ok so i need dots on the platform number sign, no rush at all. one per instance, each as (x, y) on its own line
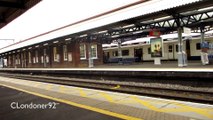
(156, 47)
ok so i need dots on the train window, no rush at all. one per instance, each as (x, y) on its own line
(125, 52)
(82, 51)
(198, 46)
(29, 57)
(65, 53)
(170, 48)
(94, 51)
(149, 50)
(115, 53)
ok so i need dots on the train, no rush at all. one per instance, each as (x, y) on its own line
(139, 50)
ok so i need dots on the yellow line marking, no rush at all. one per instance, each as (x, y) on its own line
(196, 110)
(61, 89)
(82, 93)
(146, 104)
(108, 97)
(183, 108)
(49, 86)
(117, 115)
(116, 87)
(36, 84)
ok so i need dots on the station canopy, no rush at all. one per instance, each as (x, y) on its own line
(11, 9)
(131, 21)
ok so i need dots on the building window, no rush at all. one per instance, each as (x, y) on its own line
(197, 46)
(65, 53)
(125, 52)
(114, 53)
(42, 59)
(94, 51)
(29, 57)
(36, 56)
(55, 54)
(18, 59)
(9, 60)
(149, 50)
(82, 51)
(69, 56)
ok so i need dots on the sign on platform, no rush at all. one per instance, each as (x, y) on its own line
(156, 47)
(187, 31)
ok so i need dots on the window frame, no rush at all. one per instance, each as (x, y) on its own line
(84, 50)
(198, 46)
(29, 57)
(96, 51)
(36, 56)
(65, 53)
(115, 53)
(55, 54)
(125, 52)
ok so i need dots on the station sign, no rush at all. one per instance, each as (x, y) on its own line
(156, 47)
(210, 45)
(204, 45)
(154, 33)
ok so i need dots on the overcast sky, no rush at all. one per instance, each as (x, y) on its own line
(51, 14)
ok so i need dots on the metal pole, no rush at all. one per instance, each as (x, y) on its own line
(91, 64)
(203, 53)
(180, 48)
(119, 49)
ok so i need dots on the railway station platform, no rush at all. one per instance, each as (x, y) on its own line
(94, 104)
(164, 64)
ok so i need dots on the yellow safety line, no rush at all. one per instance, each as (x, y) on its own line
(196, 110)
(117, 115)
(36, 84)
(61, 89)
(185, 108)
(146, 104)
(108, 97)
(49, 86)
(82, 93)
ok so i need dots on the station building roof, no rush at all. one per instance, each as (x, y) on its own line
(142, 10)
(11, 9)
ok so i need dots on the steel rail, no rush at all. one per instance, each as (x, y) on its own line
(126, 87)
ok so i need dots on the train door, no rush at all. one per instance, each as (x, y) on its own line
(45, 58)
(171, 54)
(138, 53)
(106, 57)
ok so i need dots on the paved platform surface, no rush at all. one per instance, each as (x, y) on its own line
(15, 105)
(193, 66)
(164, 64)
(121, 106)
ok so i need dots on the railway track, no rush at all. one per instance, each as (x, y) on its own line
(180, 93)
